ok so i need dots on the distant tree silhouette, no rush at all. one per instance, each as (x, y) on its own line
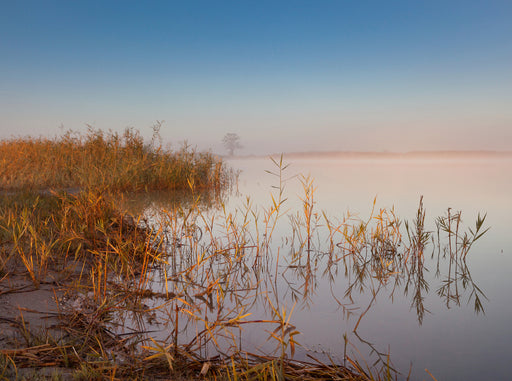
(232, 142)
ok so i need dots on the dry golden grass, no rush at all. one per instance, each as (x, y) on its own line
(99, 160)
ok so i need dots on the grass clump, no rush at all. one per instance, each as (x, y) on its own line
(99, 160)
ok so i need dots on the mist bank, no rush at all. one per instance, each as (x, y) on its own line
(481, 154)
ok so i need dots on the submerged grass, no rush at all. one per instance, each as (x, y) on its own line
(172, 295)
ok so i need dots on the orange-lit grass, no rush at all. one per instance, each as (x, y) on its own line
(99, 160)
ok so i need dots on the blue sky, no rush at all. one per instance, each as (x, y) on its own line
(284, 75)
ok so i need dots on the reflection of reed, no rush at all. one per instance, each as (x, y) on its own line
(233, 271)
(414, 262)
(458, 271)
(374, 256)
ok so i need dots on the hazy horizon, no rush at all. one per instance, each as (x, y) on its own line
(470, 154)
(285, 76)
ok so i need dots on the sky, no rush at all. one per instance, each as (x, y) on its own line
(283, 75)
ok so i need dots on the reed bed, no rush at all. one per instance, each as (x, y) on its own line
(192, 291)
(105, 160)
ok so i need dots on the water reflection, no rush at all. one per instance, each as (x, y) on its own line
(374, 256)
(236, 279)
(149, 203)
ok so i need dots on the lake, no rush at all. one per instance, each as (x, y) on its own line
(452, 340)
(342, 258)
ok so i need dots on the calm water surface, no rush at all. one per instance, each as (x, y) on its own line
(451, 339)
